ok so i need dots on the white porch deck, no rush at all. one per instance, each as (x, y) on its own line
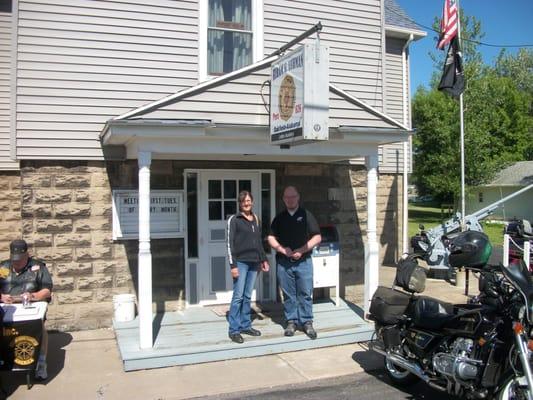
(199, 335)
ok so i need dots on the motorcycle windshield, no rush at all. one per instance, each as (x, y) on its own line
(518, 274)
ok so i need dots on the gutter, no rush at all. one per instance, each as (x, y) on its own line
(405, 204)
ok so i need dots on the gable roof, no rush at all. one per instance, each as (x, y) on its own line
(518, 174)
(396, 19)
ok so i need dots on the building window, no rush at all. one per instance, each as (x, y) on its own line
(6, 6)
(480, 197)
(230, 35)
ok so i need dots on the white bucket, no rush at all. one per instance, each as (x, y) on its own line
(124, 307)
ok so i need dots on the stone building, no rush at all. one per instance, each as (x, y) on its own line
(70, 144)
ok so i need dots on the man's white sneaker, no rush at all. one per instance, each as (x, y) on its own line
(40, 371)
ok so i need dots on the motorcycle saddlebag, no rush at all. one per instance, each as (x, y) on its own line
(410, 276)
(388, 305)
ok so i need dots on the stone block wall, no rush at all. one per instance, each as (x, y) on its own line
(66, 215)
(67, 219)
(10, 220)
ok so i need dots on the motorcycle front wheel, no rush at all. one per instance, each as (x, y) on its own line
(514, 389)
(399, 375)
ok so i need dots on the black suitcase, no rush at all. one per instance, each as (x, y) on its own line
(388, 305)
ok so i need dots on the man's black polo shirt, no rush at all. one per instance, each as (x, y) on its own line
(33, 277)
(294, 231)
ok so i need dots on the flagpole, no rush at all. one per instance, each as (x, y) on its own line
(462, 124)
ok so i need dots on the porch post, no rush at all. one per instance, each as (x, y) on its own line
(145, 255)
(371, 245)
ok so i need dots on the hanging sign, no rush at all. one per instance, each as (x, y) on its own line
(299, 96)
(166, 214)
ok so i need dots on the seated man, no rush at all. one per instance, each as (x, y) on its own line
(23, 275)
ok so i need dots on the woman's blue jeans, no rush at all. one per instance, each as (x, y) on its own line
(239, 311)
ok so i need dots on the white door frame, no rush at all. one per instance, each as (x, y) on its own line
(266, 291)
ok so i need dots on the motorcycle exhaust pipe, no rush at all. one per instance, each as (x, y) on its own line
(409, 366)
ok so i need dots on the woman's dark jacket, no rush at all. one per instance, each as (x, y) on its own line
(244, 242)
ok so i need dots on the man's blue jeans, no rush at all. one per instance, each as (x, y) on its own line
(296, 282)
(239, 311)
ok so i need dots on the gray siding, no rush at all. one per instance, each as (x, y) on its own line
(83, 62)
(5, 93)
(352, 30)
(391, 155)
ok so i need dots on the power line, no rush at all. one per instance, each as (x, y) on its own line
(463, 39)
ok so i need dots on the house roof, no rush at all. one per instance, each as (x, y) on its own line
(518, 174)
(397, 19)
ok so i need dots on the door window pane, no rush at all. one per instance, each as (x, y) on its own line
(215, 189)
(245, 185)
(230, 189)
(215, 210)
(230, 208)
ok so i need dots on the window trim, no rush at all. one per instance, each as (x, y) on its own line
(257, 36)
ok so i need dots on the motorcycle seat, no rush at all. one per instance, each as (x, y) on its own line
(430, 313)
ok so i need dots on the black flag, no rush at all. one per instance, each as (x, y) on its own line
(453, 78)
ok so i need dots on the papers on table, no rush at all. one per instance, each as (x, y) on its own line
(16, 312)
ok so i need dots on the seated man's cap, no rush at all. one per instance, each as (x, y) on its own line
(18, 249)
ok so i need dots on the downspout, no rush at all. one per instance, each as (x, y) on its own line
(406, 122)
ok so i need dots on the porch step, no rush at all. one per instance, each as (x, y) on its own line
(199, 335)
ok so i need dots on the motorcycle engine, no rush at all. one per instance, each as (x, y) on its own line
(456, 363)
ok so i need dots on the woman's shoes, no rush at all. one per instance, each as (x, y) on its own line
(236, 337)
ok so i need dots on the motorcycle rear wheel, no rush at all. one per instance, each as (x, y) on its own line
(514, 389)
(399, 375)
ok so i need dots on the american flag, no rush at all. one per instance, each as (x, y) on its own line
(448, 24)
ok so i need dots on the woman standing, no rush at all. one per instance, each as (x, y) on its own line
(246, 256)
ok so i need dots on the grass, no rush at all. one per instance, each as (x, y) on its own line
(430, 215)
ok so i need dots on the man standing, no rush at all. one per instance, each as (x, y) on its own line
(294, 233)
(24, 276)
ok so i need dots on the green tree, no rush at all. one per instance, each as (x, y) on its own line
(497, 126)
(519, 68)
(497, 122)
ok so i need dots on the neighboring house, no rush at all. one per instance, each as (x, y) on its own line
(73, 154)
(508, 181)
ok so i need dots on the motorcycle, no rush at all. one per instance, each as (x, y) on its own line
(479, 350)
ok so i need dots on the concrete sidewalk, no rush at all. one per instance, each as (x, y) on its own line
(87, 365)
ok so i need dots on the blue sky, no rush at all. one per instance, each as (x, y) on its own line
(503, 22)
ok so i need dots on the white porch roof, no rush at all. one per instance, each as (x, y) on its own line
(204, 140)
